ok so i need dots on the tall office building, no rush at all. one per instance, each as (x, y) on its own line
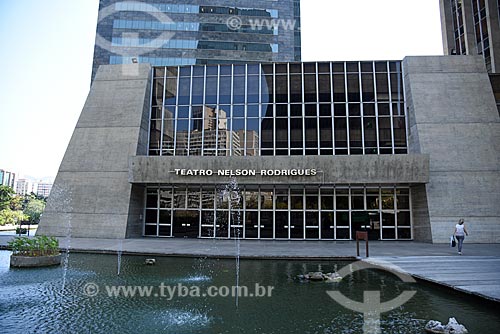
(472, 27)
(189, 32)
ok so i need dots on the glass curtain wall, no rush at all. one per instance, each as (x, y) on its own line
(278, 212)
(282, 109)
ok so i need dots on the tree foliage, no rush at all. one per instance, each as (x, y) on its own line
(15, 209)
(11, 217)
(6, 195)
(34, 210)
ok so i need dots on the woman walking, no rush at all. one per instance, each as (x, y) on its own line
(460, 233)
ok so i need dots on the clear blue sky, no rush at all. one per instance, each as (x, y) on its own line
(46, 49)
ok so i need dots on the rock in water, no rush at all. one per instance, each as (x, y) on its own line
(316, 276)
(434, 326)
(150, 262)
(453, 327)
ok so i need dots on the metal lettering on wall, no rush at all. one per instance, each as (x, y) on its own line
(245, 172)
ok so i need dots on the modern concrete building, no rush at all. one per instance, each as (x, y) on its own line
(472, 27)
(176, 32)
(402, 149)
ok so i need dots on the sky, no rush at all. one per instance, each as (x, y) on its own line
(46, 49)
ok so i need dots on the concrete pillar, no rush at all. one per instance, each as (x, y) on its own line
(92, 196)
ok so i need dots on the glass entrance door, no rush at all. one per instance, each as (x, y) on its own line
(186, 224)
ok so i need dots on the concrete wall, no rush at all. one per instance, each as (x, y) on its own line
(453, 118)
(372, 169)
(92, 196)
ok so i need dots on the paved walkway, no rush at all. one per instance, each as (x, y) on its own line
(476, 272)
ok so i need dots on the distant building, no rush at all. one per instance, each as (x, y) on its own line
(7, 178)
(44, 189)
(23, 187)
(472, 27)
(173, 32)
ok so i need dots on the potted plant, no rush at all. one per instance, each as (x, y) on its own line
(40, 251)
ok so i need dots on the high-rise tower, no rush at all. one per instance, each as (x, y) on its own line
(472, 27)
(189, 32)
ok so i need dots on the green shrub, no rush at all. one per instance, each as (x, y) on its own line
(37, 246)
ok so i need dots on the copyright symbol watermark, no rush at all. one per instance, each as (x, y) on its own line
(133, 35)
(372, 307)
(234, 23)
(90, 289)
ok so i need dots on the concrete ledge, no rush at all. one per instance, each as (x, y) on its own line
(34, 261)
(376, 169)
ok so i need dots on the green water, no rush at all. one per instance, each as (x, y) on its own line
(32, 300)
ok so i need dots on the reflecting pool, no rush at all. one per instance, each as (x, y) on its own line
(33, 301)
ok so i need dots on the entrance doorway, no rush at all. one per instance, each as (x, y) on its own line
(186, 224)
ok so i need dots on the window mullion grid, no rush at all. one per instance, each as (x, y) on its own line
(350, 213)
(199, 210)
(261, 77)
(319, 213)
(332, 107)
(348, 134)
(376, 106)
(404, 111)
(258, 213)
(394, 193)
(289, 111)
(335, 213)
(289, 211)
(202, 153)
(391, 109)
(217, 112)
(190, 112)
(274, 110)
(230, 132)
(317, 111)
(158, 211)
(380, 213)
(411, 212)
(304, 205)
(176, 113)
(151, 108)
(244, 139)
(162, 132)
(361, 108)
(303, 111)
(274, 212)
(171, 211)
(144, 206)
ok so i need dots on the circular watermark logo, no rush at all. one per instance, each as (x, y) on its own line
(90, 289)
(372, 306)
(141, 49)
(234, 23)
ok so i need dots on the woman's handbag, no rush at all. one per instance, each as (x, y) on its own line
(453, 243)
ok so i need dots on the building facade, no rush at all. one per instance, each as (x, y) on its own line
(174, 32)
(295, 151)
(43, 189)
(472, 27)
(23, 187)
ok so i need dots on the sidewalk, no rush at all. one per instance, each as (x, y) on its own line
(476, 272)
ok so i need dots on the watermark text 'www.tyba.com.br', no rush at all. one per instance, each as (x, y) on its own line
(170, 292)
